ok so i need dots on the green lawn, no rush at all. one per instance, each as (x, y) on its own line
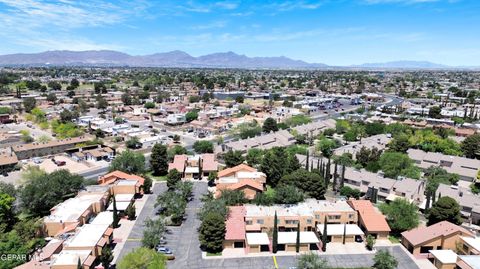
(214, 254)
(156, 178)
(394, 239)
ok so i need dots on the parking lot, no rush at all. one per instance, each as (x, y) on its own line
(49, 166)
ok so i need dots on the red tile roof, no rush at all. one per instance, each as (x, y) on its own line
(420, 235)
(209, 163)
(235, 224)
(178, 163)
(232, 170)
(111, 177)
(371, 218)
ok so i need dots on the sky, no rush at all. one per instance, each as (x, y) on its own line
(334, 32)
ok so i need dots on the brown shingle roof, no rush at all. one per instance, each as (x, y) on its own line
(424, 234)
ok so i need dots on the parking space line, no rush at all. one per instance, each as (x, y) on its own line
(275, 261)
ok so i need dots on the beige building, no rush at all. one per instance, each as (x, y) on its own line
(31, 150)
(442, 235)
(74, 212)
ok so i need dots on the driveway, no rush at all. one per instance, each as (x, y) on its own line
(148, 211)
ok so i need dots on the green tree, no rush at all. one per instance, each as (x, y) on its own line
(29, 103)
(311, 260)
(175, 150)
(395, 164)
(129, 162)
(446, 208)
(153, 232)
(384, 260)
(131, 212)
(349, 192)
(324, 235)
(106, 256)
(233, 158)
(254, 157)
(173, 178)
(400, 143)
(7, 215)
(149, 105)
(275, 234)
(191, 115)
(213, 205)
(370, 242)
(374, 128)
(274, 165)
(326, 147)
(159, 160)
(471, 146)
(311, 183)
(51, 97)
(239, 99)
(233, 197)
(212, 232)
(116, 217)
(203, 146)
(288, 194)
(270, 125)
(147, 185)
(435, 112)
(143, 258)
(173, 205)
(43, 191)
(401, 215)
(133, 143)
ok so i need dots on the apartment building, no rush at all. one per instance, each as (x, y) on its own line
(122, 183)
(31, 150)
(467, 169)
(282, 138)
(241, 177)
(194, 166)
(377, 141)
(469, 202)
(388, 189)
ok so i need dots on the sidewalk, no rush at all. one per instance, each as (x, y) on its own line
(120, 234)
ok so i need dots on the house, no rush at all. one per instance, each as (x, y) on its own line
(444, 258)
(469, 202)
(122, 183)
(44, 256)
(235, 228)
(194, 167)
(467, 169)
(241, 177)
(176, 119)
(442, 235)
(371, 221)
(68, 259)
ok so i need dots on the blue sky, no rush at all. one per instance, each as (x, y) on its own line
(335, 32)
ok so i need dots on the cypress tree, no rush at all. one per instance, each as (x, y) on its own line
(344, 232)
(79, 264)
(427, 203)
(342, 179)
(275, 234)
(439, 195)
(297, 243)
(434, 197)
(324, 235)
(318, 163)
(311, 166)
(327, 173)
(335, 175)
(116, 218)
(307, 160)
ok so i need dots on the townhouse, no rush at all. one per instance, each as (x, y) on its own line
(250, 226)
(122, 183)
(282, 138)
(467, 169)
(241, 177)
(68, 215)
(377, 141)
(27, 151)
(370, 220)
(194, 166)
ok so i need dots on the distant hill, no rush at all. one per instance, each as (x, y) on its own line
(404, 65)
(182, 59)
(167, 59)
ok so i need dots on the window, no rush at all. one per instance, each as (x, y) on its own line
(249, 222)
(351, 216)
(309, 221)
(260, 221)
(317, 216)
(291, 221)
(334, 217)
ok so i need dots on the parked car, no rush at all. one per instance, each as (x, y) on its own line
(37, 160)
(164, 250)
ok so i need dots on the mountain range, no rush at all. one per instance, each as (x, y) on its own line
(184, 60)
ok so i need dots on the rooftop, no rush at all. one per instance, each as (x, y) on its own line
(423, 234)
(445, 256)
(291, 238)
(88, 235)
(306, 208)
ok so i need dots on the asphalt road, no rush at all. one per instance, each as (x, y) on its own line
(148, 211)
